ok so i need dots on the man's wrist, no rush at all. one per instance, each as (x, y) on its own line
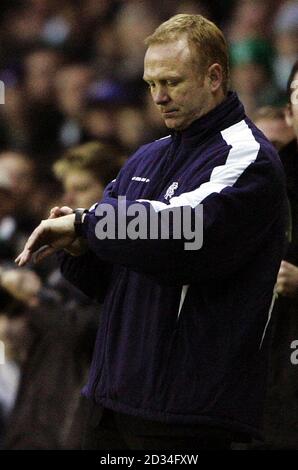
(80, 214)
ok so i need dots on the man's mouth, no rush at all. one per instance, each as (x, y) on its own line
(169, 113)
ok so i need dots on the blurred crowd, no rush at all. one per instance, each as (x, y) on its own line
(75, 108)
(73, 69)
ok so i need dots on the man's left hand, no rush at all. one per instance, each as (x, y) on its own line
(51, 235)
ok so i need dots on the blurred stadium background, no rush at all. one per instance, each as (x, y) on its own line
(72, 71)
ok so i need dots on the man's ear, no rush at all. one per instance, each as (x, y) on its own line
(215, 76)
(289, 115)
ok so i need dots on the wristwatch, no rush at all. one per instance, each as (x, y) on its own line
(78, 221)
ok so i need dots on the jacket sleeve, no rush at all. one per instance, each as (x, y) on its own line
(87, 272)
(237, 221)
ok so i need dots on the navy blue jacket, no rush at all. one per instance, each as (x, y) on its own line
(184, 333)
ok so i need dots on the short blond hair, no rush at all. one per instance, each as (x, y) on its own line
(103, 160)
(206, 39)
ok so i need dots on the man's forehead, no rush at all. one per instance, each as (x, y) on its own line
(167, 55)
(174, 47)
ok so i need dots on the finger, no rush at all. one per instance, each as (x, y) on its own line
(60, 211)
(35, 256)
(33, 243)
(24, 258)
(66, 210)
(36, 239)
(55, 212)
(53, 209)
(17, 258)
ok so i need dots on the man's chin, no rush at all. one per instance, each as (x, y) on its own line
(173, 123)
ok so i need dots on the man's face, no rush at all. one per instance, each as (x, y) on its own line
(21, 174)
(292, 109)
(72, 83)
(177, 88)
(276, 130)
(81, 189)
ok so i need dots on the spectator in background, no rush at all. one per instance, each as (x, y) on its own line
(62, 322)
(6, 196)
(27, 196)
(285, 36)
(192, 7)
(106, 53)
(72, 84)
(86, 170)
(105, 99)
(272, 122)
(131, 127)
(41, 65)
(108, 37)
(281, 412)
(17, 218)
(251, 69)
(21, 170)
(132, 30)
(58, 352)
(13, 115)
(249, 19)
(15, 338)
(115, 113)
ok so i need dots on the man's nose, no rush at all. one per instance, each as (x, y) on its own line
(160, 96)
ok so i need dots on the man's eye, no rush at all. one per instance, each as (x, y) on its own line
(151, 85)
(172, 83)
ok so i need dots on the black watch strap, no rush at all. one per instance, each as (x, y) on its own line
(78, 220)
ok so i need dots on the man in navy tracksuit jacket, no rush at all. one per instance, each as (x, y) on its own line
(183, 339)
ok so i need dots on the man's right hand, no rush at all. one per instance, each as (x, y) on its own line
(79, 246)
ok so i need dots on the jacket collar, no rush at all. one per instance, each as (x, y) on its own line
(228, 112)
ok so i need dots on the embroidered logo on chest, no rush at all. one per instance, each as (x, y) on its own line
(171, 190)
